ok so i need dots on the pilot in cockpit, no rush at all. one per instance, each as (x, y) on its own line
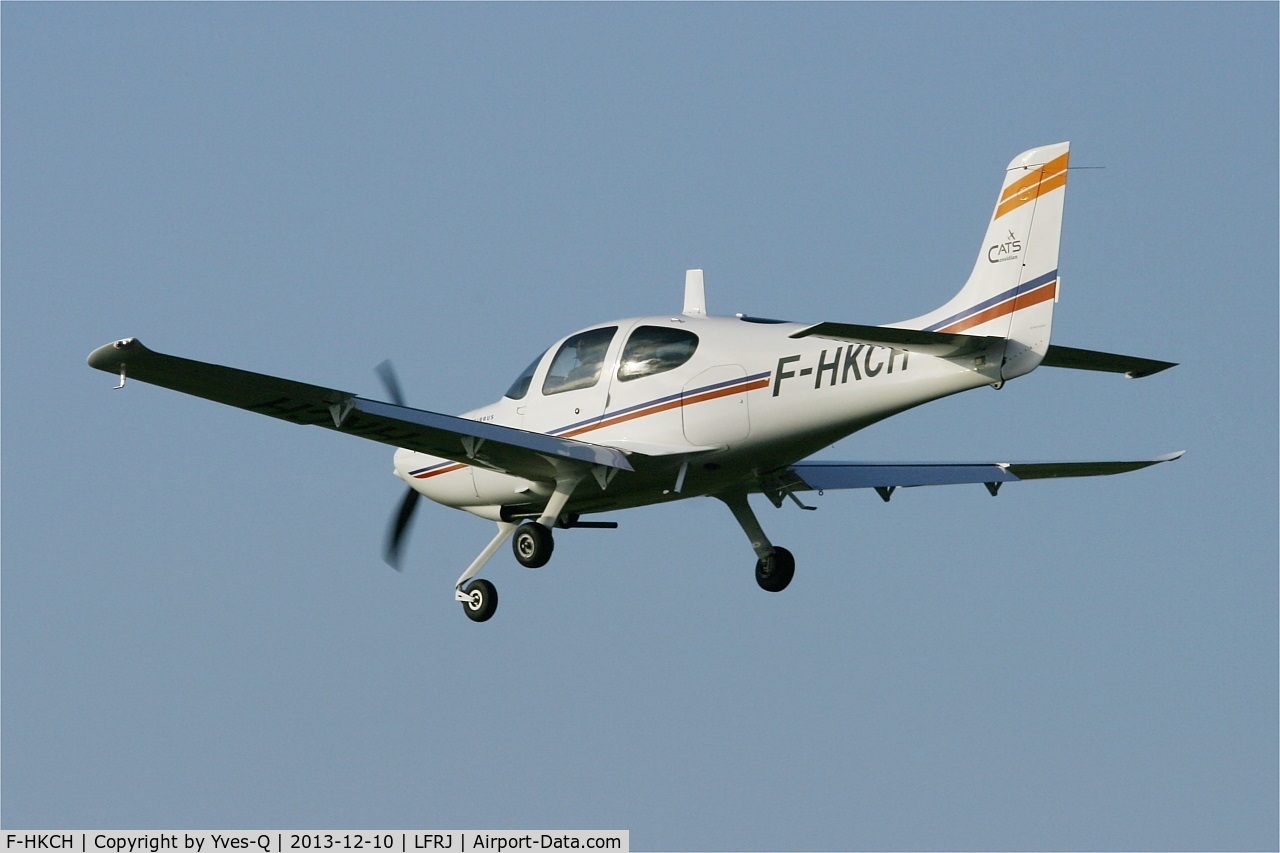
(590, 351)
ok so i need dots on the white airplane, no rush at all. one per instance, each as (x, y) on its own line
(663, 408)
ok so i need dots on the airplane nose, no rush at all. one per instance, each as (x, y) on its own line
(400, 463)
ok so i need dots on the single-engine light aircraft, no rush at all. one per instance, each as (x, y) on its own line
(651, 409)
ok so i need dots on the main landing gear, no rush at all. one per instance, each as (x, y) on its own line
(775, 571)
(532, 543)
(775, 566)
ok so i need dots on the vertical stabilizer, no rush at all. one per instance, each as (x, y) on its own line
(1014, 283)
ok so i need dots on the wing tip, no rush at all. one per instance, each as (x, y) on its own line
(1152, 370)
(108, 356)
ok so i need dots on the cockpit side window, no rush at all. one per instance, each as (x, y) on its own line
(655, 349)
(521, 386)
(578, 361)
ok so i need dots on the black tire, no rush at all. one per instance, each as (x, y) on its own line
(483, 601)
(532, 544)
(774, 572)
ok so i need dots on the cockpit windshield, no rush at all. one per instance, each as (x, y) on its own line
(521, 386)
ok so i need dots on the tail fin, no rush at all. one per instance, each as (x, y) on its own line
(1014, 283)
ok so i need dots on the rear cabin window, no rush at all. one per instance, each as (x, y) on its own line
(655, 349)
(578, 361)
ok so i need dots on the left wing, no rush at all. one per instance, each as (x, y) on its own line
(532, 455)
(884, 477)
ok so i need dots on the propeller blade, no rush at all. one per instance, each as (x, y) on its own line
(399, 525)
(387, 373)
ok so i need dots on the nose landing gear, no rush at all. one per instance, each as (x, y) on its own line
(532, 544)
(479, 600)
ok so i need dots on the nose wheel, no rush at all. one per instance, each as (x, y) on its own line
(479, 600)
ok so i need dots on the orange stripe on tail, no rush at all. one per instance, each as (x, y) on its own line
(1049, 177)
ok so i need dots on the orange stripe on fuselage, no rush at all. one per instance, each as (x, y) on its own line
(670, 404)
(1023, 300)
(457, 466)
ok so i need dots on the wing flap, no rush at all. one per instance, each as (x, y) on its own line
(530, 455)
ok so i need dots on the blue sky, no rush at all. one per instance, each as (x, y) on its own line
(197, 627)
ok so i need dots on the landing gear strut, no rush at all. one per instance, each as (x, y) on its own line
(480, 598)
(775, 566)
(532, 544)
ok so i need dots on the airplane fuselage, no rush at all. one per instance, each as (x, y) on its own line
(748, 396)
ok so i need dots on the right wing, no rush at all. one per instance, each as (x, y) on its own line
(531, 455)
(884, 477)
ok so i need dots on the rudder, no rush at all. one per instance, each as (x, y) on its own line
(1014, 283)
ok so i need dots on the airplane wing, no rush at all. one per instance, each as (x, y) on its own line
(884, 477)
(531, 455)
(950, 345)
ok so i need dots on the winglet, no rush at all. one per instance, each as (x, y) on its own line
(695, 296)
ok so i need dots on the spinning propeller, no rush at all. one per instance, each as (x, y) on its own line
(400, 522)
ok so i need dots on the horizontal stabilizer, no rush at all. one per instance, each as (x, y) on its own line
(531, 455)
(1048, 470)
(941, 344)
(891, 475)
(1084, 359)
